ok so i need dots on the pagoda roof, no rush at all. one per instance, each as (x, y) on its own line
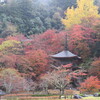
(64, 54)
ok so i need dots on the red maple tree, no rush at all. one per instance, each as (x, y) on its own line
(95, 69)
(80, 39)
(50, 41)
(90, 85)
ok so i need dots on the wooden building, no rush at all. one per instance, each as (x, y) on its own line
(65, 57)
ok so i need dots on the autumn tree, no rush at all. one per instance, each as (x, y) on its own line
(8, 60)
(13, 54)
(9, 49)
(60, 78)
(12, 81)
(34, 62)
(48, 41)
(8, 43)
(57, 79)
(11, 46)
(81, 40)
(84, 9)
(90, 85)
(44, 83)
(95, 68)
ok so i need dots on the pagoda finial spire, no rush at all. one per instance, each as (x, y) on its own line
(66, 43)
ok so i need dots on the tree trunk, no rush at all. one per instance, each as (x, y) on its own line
(61, 92)
(46, 90)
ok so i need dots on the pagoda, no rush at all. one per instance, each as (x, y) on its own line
(65, 57)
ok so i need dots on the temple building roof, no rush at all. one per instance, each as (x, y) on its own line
(64, 54)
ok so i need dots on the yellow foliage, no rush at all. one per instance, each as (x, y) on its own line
(10, 71)
(85, 8)
(8, 43)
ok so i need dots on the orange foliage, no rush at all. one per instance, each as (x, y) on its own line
(80, 39)
(8, 60)
(50, 41)
(95, 70)
(34, 62)
(91, 84)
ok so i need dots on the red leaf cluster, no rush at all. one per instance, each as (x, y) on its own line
(91, 84)
(95, 69)
(50, 41)
(80, 39)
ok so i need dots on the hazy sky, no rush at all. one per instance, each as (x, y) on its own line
(44, 1)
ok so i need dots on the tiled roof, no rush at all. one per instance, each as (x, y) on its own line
(64, 54)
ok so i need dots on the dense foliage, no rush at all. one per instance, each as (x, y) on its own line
(84, 9)
(25, 54)
(91, 85)
(31, 16)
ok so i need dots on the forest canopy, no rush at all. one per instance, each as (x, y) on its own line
(31, 31)
(32, 16)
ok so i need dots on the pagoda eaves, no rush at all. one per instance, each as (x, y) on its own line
(64, 54)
